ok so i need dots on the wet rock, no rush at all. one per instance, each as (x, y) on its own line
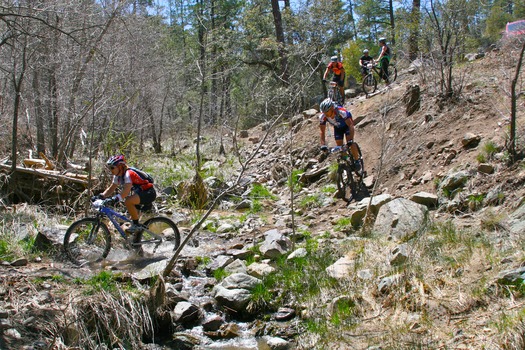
(186, 313)
(212, 323)
(219, 262)
(150, 270)
(226, 331)
(275, 343)
(234, 299)
(284, 314)
(184, 341)
(240, 280)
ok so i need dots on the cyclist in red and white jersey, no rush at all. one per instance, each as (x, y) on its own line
(135, 189)
(343, 124)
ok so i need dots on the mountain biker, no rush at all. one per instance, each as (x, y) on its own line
(338, 70)
(343, 124)
(135, 189)
(384, 59)
(364, 61)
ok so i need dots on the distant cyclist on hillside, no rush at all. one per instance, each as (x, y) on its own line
(135, 189)
(343, 124)
(364, 61)
(384, 59)
(338, 70)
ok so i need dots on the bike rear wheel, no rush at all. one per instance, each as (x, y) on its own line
(392, 73)
(346, 185)
(87, 241)
(369, 84)
(159, 226)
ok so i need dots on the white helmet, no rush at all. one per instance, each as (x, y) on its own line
(365, 51)
(326, 105)
(333, 58)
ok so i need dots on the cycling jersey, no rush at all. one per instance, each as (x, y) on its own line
(133, 178)
(336, 67)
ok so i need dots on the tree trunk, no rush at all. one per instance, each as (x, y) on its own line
(413, 46)
(392, 21)
(279, 34)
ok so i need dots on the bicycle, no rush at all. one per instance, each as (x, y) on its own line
(370, 81)
(334, 93)
(349, 178)
(88, 240)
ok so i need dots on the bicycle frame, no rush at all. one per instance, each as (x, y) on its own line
(113, 215)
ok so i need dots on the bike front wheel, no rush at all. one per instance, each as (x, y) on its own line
(346, 186)
(369, 84)
(87, 241)
(159, 227)
(335, 95)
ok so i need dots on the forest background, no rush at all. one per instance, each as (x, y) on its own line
(100, 77)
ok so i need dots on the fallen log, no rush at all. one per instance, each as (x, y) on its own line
(52, 174)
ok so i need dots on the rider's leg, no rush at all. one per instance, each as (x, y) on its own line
(131, 203)
(384, 69)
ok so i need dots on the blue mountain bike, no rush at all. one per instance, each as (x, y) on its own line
(88, 240)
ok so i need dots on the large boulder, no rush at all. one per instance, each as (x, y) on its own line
(401, 218)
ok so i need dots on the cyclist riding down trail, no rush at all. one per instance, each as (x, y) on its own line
(338, 70)
(343, 124)
(364, 61)
(135, 189)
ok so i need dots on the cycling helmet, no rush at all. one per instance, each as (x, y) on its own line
(333, 58)
(115, 160)
(382, 40)
(326, 105)
(365, 51)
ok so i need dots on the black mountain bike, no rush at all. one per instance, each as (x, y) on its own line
(349, 178)
(374, 70)
(88, 240)
(334, 93)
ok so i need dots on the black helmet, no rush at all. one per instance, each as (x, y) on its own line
(326, 105)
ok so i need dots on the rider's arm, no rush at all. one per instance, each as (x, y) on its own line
(322, 134)
(383, 51)
(110, 190)
(326, 73)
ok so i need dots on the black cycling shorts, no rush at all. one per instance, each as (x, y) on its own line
(146, 196)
